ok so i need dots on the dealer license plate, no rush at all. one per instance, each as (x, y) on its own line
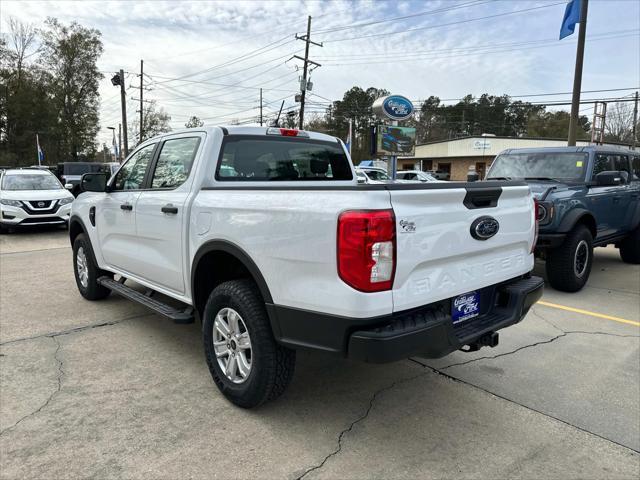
(465, 307)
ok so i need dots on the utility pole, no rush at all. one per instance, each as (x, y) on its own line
(141, 100)
(635, 122)
(303, 83)
(120, 157)
(123, 101)
(261, 107)
(577, 76)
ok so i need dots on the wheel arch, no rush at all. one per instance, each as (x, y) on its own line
(230, 262)
(76, 227)
(579, 216)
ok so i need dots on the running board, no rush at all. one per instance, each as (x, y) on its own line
(178, 316)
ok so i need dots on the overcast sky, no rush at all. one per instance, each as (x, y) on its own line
(447, 48)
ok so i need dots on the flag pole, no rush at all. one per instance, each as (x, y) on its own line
(577, 76)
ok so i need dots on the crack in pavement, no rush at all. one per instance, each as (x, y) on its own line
(543, 342)
(54, 336)
(34, 250)
(464, 382)
(75, 329)
(358, 420)
(61, 373)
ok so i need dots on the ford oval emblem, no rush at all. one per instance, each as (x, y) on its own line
(397, 107)
(483, 228)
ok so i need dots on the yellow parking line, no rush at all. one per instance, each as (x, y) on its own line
(587, 312)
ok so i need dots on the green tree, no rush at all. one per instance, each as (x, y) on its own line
(194, 122)
(25, 107)
(355, 107)
(556, 125)
(70, 55)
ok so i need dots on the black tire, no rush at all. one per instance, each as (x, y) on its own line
(630, 247)
(92, 290)
(564, 263)
(3, 230)
(271, 366)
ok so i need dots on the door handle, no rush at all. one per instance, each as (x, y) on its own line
(169, 209)
(126, 206)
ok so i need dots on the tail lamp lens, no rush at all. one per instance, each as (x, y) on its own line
(536, 218)
(367, 249)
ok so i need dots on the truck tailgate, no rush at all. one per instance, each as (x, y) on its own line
(437, 256)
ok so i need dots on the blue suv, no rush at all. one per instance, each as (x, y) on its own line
(587, 197)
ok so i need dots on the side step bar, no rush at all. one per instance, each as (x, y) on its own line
(178, 316)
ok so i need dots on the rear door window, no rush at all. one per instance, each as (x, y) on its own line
(174, 162)
(259, 158)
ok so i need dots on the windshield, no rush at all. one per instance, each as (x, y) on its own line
(30, 182)
(377, 175)
(540, 165)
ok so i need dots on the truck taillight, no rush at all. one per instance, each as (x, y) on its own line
(367, 249)
(536, 219)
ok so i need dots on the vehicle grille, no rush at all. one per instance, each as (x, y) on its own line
(40, 207)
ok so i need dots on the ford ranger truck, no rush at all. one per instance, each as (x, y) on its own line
(265, 235)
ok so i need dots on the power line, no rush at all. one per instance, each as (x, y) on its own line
(472, 53)
(515, 12)
(404, 17)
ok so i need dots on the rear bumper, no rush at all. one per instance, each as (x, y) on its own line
(426, 331)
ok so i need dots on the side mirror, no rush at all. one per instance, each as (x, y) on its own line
(609, 179)
(94, 182)
(68, 186)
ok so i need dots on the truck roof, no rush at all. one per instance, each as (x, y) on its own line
(246, 130)
(586, 149)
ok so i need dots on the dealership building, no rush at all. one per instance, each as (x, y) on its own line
(458, 155)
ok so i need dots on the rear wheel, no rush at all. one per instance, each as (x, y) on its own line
(568, 266)
(246, 363)
(630, 247)
(86, 270)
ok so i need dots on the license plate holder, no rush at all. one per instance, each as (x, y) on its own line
(465, 307)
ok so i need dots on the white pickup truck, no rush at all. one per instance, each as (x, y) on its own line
(265, 235)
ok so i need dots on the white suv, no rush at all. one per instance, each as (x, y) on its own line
(32, 196)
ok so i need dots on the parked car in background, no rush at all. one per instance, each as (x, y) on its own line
(587, 197)
(70, 173)
(372, 175)
(440, 174)
(32, 196)
(283, 252)
(415, 176)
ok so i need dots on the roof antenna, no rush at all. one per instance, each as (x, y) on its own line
(277, 122)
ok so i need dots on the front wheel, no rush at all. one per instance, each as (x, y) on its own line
(568, 266)
(630, 247)
(246, 363)
(86, 270)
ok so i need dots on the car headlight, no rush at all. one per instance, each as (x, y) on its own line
(544, 212)
(12, 203)
(65, 200)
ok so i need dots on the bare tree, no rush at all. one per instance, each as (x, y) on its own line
(618, 125)
(21, 46)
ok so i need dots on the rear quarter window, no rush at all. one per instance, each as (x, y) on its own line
(261, 158)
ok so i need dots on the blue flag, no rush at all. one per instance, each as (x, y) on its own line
(571, 17)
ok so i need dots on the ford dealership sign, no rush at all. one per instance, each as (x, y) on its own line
(394, 107)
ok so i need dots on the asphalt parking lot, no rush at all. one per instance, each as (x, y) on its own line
(107, 390)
